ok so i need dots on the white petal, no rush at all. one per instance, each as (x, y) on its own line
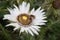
(39, 24)
(39, 21)
(9, 17)
(34, 31)
(32, 11)
(36, 27)
(14, 12)
(42, 11)
(13, 24)
(42, 23)
(16, 28)
(16, 25)
(24, 8)
(10, 10)
(38, 12)
(26, 29)
(30, 32)
(27, 8)
(22, 29)
(16, 7)
(43, 20)
(38, 9)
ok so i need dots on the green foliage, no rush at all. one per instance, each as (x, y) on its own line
(51, 31)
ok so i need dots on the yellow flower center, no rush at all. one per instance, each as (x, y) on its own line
(25, 19)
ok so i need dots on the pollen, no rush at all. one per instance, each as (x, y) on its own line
(24, 17)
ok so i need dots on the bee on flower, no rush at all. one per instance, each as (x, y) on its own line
(26, 20)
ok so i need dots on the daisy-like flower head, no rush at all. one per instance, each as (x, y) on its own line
(26, 20)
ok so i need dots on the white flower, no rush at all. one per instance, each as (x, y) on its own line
(26, 20)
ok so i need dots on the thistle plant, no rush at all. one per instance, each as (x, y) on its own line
(29, 20)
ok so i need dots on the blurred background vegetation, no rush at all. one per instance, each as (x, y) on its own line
(50, 31)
